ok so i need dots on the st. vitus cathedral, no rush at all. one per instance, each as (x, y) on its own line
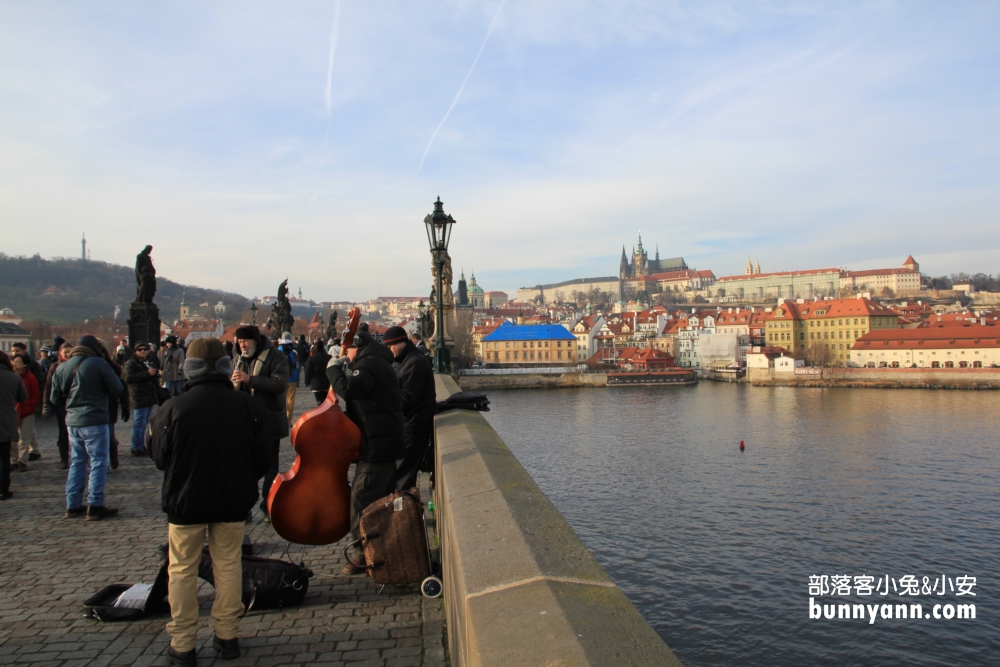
(641, 266)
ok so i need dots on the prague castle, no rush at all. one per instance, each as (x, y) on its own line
(640, 266)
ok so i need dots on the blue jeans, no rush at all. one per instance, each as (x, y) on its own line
(88, 444)
(140, 418)
(175, 387)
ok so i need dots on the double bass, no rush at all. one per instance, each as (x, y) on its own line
(311, 502)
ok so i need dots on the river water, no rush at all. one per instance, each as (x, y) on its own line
(716, 547)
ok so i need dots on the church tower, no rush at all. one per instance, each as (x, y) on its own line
(756, 268)
(749, 268)
(185, 311)
(623, 266)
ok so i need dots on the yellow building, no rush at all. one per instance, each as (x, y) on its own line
(835, 323)
(529, 344)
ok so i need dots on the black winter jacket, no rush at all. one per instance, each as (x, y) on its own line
(316, 371)
(142, 385)
(374, 402)
(416, 380)
(268, 383)
(211, 444)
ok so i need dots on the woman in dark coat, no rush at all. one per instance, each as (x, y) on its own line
(316, 371)
(12, 392)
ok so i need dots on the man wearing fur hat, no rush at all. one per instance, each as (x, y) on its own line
(210, 443)
(83, 386)
(366, 381)
(416, 380)
(262, 371)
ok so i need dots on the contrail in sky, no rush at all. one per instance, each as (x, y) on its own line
(462, 87)
(328, 95)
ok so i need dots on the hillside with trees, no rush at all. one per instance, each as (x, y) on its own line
(64, 291)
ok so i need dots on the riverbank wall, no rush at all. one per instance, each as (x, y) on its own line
(532, 381)
(880, 378)
(520, 588)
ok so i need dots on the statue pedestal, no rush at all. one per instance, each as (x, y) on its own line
(143, 323)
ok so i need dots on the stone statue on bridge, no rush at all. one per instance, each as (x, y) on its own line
(145, 276)
(281, 319)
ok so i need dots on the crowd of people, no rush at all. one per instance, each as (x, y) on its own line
(223, 410)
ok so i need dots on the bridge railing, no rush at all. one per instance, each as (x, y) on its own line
(545, 370)
(520, 587)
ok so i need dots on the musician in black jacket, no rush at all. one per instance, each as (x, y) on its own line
(416, 380)
(374, 402)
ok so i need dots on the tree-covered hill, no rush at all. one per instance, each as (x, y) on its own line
(65, 291)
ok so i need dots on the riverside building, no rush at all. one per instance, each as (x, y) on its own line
(529, 344)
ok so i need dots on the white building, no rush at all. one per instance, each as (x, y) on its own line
(585, 330)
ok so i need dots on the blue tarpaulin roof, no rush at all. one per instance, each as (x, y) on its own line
(510, 331)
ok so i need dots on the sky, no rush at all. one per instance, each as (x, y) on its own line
(253, 141)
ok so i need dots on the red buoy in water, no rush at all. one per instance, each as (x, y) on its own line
(741, 445)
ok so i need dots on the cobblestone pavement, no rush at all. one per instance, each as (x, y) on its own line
(49, 565)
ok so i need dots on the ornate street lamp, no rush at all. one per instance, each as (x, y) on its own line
(253, 313)
(438, 226)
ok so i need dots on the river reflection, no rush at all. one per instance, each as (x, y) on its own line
(715, 547)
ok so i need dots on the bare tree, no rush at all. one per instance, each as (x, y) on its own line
(819, 354)
(464, 351)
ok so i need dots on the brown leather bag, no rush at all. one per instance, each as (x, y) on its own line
(394, 539)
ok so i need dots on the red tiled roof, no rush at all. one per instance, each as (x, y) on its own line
(973, 336)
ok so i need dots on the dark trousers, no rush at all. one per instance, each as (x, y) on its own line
(320, 396)
(63, 440)
(272, 471)
(418, 438)
(372, 480)
(4, 467)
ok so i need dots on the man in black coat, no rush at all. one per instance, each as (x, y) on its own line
(366, 381)
(211, 444)
(262, 371)
(416, 380)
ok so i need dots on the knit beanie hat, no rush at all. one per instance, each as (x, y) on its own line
(91, 343)
(395, 335)
(206, 355)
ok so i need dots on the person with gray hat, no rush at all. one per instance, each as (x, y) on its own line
(211, 444)
(366, 381)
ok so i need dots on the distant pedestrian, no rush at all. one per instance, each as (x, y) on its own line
(48, 409)
(301, 355)
(210, 444)
(172, 365)
(83, 386)
(418, 342)
(12, 392)
(287, 347)
(315, 372)
(334, 348)
(26, 414)
(36, 371)
(141, 375)
(262, 371)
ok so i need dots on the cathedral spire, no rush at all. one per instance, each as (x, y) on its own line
(640, 241)
(657, 253)
(749, 268)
